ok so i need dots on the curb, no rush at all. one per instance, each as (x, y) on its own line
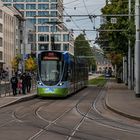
(21, 99)
(120, 112)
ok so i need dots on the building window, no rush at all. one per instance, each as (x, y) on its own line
(30, 0)
(7, 4)
(0, 42)
(43, 0)
(53, 0)
(53, 29)
(54, 13)
(7, 1)
(43, 13)
(43, 29)
(0, 13)
(0, 27)
(54, 6)
(43, 37)
(65, 37)
(43, 6)
(30, 13)
(66, 47)
(43, 47)
(30, 6)
(19, 6)
(57, 37)
(33, 21)
(0, 55)
(43, 20)
(18, 1)
(56, 47)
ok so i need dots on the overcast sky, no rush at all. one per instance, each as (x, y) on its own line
(83, 7)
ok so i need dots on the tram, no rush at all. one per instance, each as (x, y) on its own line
(60, 74)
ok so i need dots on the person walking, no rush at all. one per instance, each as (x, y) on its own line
(24, 85)
(28, 82)
(19, 86)
(14, 82)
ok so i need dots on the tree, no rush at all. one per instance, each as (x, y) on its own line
(117, 43)
(15, 62)
(30, 64)
(82, 48)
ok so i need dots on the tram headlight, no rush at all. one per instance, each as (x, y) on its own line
(60, 84)
(39, 83)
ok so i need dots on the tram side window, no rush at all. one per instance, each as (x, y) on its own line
(72, 71)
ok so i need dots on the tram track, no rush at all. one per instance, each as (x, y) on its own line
(104, 121)
(16, 118)
(98, 118)
(83, 105)
(54, 121)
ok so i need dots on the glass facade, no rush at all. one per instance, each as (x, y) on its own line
(43, 46)
(0, 42)
(30, 6)
(43, 37)
(43, 0)
(30, 13)
(57, 37)
(43, 28)
(44, 15)
(54, 6)
(32, 20)
(42, 20)
(43, 6)
(19, 6)
(65, 37)
(30, 0)
(66, 47)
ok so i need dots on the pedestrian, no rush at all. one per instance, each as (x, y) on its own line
(28, 82)
(24, 85)
(14, 82)
(19, 86)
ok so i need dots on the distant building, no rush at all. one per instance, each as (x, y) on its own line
(101, 62)
(46, 15)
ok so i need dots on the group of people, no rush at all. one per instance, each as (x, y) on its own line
(21, 84)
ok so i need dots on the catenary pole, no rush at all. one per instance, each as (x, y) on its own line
(137, 49)
(129, 53)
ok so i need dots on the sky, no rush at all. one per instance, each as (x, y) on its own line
(83, 7)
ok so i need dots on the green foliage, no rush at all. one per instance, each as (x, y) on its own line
(15, 62)
(99, 81)
(117, 44)
(30, 64)
(82, 48)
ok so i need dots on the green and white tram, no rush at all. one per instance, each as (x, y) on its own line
(60, 74)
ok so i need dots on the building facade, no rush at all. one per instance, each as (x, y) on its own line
(10, 36)
(46, 15)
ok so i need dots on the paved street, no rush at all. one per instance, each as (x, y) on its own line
(80, 116)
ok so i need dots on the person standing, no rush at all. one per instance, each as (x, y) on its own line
(28, 82)
(14, 82)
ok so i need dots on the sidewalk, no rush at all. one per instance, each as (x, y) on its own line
(122, 100)
(8, 100)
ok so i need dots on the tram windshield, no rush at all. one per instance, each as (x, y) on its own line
(50, 69)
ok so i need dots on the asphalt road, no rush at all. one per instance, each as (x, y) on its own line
(81, 116)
